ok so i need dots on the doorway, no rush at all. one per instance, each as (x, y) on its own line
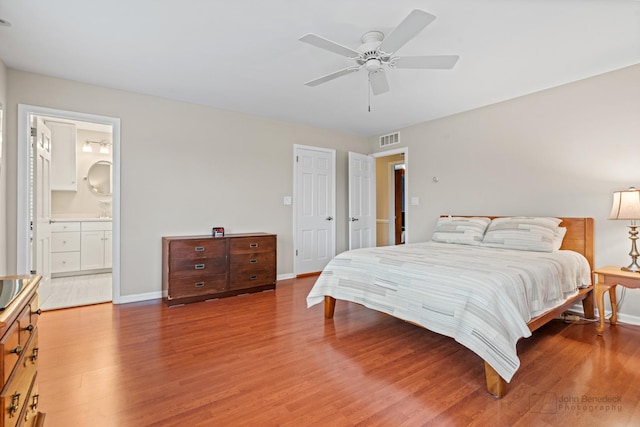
(391, 197)
(96, 230)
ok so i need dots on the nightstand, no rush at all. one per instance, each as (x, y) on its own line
(608, 278)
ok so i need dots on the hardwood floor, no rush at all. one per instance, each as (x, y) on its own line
(265, 360)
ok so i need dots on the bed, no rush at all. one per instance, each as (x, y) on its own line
(485, 296)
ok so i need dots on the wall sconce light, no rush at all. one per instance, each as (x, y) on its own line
(626, 205)
(104, 146)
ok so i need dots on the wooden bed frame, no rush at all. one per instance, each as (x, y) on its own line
(579, 238)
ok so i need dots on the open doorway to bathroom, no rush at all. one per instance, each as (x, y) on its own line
(70, 198)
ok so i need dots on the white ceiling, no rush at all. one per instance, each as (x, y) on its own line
(244, 55)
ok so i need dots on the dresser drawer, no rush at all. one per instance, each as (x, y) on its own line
(26, 326)
(243, 245)
(16, 393)
(65, 261)
(31, 416)
(10, 349)
(197, 249)
(196, 267)
(65, 242)
(187, 287)
(250, 279)
(252, 262)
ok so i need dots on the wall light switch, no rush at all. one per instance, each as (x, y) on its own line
(287, 200)
(415, 201)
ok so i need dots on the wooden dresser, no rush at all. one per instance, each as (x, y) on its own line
(197, 268)
(19, 350)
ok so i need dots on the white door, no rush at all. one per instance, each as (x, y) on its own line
(314, 206)
(362, 201)
(41, 193)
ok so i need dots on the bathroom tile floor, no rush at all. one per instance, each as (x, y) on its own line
(64, 292)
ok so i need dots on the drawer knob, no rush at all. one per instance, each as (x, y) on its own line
(199, 266)
(253, 261)
(38, 312)
(16, 350)
(199, 285)
(34, 354)
(199, 248)
(253, 245)
(15, 404)
(29, 328)
(253, 277)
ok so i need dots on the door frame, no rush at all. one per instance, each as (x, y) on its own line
(295, 221)
(405, 151)
(22, 208)
(392, 200)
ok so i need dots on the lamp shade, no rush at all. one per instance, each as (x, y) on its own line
(626, 204)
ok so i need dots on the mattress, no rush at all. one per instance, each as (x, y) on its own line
(482, 297)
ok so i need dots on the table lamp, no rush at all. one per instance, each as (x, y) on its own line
(626, 205)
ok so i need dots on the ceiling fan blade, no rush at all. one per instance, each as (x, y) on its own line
(332, 76)
(443, 62)
(378, 81)
(325, 44)
(408, 29)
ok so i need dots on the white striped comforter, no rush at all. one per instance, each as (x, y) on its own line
(481, 297)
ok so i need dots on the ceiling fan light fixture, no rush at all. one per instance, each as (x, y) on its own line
(373, 64)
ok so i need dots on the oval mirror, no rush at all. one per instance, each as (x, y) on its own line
(99, 178)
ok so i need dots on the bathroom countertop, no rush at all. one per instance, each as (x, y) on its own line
(81, 219)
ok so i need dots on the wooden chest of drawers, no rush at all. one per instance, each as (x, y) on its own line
(197, 268)
(19, 357)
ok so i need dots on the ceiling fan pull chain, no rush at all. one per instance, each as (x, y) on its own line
(369, 91)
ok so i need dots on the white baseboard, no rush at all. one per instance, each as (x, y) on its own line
(160, 294)
(628, 318)
(138, 297)
(622, 317)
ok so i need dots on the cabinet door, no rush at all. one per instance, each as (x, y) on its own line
(108, 249)
(92, 250)
(63, 156)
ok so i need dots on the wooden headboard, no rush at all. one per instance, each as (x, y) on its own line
(579, 237)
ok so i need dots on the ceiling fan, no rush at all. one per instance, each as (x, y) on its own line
(378, 51)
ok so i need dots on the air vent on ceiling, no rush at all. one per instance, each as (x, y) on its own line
(392, 138)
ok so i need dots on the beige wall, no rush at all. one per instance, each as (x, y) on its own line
(3, 174)
(558, 152)
(186, 168)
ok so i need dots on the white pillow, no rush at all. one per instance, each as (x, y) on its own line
(559, 237)
(523, 233)
(460, 230)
